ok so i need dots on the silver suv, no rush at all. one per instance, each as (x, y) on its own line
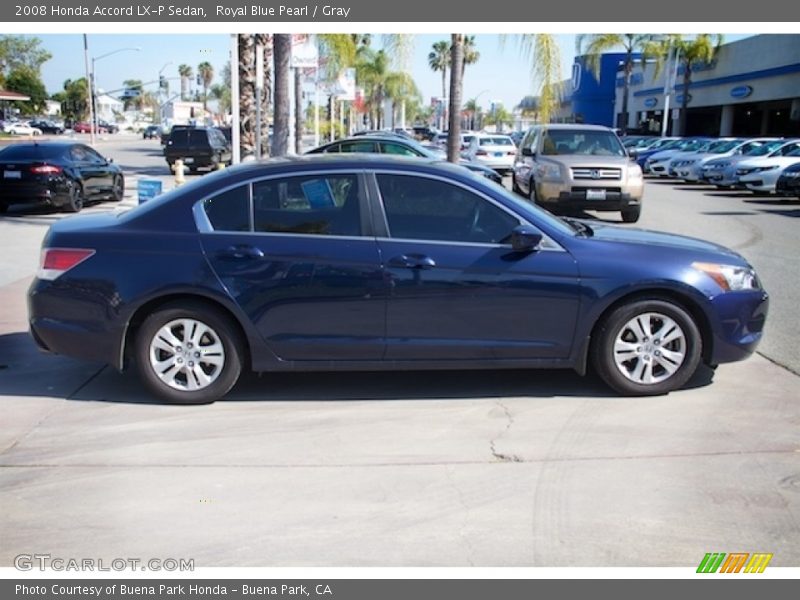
(578, 167)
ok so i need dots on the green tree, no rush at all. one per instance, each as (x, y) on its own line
(439, 60)
(542, 51)
(134, 101)
(691, 52)
(247, 44)
(18, 52)
(74, 99)
(206, 73)
(499, 117)
(594, 45)
(400, 89)
(473, 110)
(25, 80)
(471, 54)
(185, 72)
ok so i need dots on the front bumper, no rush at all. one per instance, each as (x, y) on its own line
(578, 196)
(737, 325)
(787, 186)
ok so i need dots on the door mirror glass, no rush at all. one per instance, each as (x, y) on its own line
(525, 238)
(527, 151)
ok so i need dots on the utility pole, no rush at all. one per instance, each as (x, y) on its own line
(90, 85)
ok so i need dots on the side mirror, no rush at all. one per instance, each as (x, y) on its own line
(109, 160)
(525, 238)
(527, 151)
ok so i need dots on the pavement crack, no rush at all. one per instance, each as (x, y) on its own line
(500, 456)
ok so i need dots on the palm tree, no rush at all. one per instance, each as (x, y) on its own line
(372, 71)
(542, 50)
(247, 44)
(206, 73)
(280, 128)
(473, 110)
(456, 87)
(400, 89)
(185, 71)
(700, 49)
(597, 44)
(499, 117)
(439, 60)
(471, 55)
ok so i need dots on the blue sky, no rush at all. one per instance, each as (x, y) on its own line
(502, 73)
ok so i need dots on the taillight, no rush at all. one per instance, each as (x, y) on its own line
(512, 153)
(57, 261)
(46, 170)
(480, 152)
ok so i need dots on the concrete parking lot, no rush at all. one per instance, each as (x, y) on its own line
(495, 468)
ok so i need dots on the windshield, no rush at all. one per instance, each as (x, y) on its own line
(761, 148)
(724, 146)
(582, 143)
(795, 152)
(785, 149)
(692, 145)
(32, 152)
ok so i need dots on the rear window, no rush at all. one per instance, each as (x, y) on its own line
(32, 152)
(495, 141)
(179, 137)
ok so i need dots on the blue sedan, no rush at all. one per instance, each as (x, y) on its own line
(356, 262)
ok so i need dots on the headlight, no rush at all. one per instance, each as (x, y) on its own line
(730, 278)
(769, 168)
(548, 171)
(634, 172)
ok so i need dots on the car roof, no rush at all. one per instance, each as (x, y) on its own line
(573, 127)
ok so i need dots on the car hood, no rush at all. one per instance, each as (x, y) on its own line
(645, 237)
(663, 154)
(767, 161)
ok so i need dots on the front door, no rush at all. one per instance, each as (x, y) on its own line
(457, 290)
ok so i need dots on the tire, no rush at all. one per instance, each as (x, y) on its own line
(631, 215)
(628, 353)
(75, 199)
(118, 188)
(179, 375)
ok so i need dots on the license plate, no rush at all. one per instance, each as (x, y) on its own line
(595, 194)
(498, 154)
(188, 161)
(12, 174)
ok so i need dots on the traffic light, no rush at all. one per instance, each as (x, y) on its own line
(162, 82)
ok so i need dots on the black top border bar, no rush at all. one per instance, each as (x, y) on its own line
(355, 11)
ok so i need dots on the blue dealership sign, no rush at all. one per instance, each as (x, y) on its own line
(651, 102)
(679, 98)
(741, 91)
(147, 189)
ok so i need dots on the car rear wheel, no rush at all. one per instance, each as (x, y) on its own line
(118, 188)
(74, 197)
(514, 187)
(532, 192)
(188, 354)
(647, 347)
(631, 215)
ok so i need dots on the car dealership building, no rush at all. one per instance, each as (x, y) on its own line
(752, 88)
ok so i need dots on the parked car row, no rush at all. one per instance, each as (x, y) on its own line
(755, 164)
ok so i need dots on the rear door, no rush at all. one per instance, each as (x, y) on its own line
(92, 171)
(302, 265)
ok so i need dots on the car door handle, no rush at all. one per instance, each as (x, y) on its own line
(412, 261)
(241, 251)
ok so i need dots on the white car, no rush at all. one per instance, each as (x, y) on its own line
(22, 129)
(690, 168)
(658, 163)
(761, 174)
(722, 171)
(495, 151)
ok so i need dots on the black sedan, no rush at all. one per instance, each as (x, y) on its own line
(47, 127)
(59, 174)
(151, 132)
(368, 262)
(789, 182)
(397, 145)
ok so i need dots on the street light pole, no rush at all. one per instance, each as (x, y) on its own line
(90, 85)
(93, 109)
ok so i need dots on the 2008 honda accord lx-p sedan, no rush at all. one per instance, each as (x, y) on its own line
(368, 262)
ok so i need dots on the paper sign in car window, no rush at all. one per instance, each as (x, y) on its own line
(318, 193)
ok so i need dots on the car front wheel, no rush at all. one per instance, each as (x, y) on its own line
(188, 354)
(631, 215)
(647, 347)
